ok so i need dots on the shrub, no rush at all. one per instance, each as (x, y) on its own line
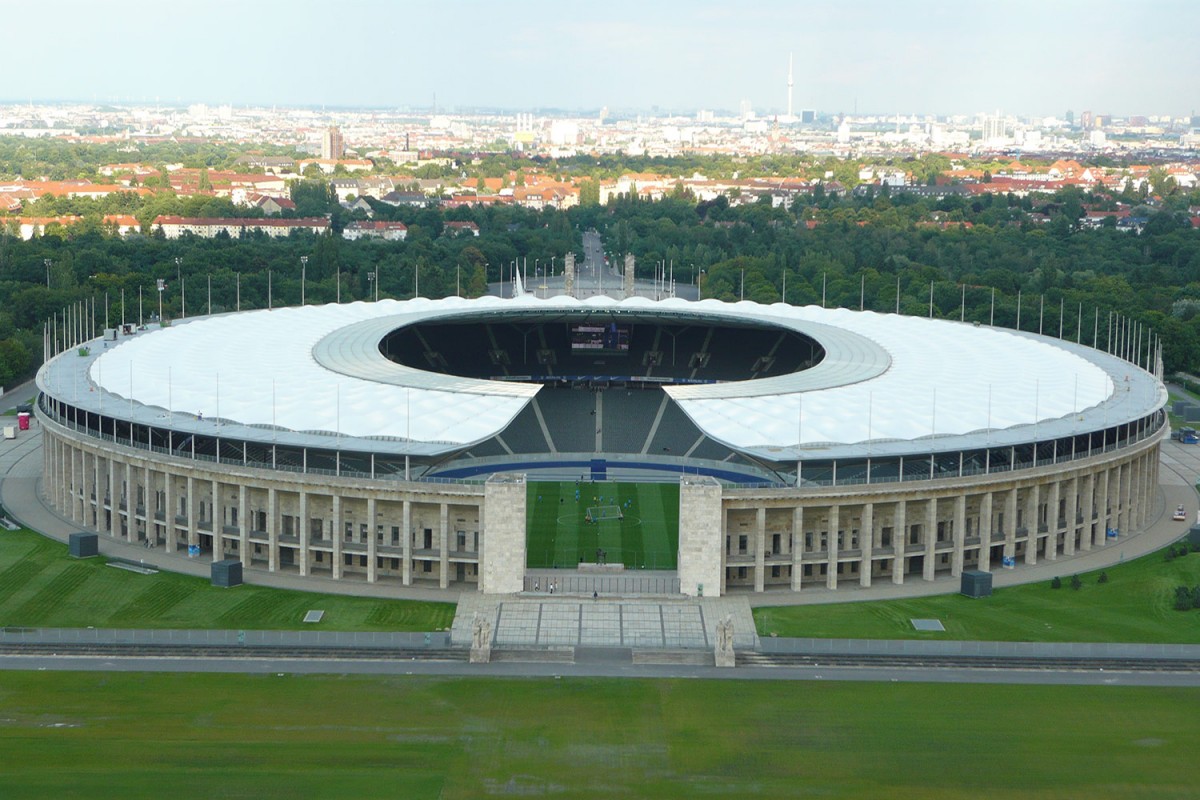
(1056, 583)
(1075, 582)
(1196, 597)
(1103, 578)
(1183, 598)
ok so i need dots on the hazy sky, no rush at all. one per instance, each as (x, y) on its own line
(1037, 57)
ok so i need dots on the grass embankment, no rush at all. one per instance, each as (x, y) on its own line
(1135, 605)
(560, 536)
(41, 586)
(143, 735)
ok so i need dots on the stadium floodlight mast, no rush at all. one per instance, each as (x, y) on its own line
(48, 263)
(182, 287)
(303, 276)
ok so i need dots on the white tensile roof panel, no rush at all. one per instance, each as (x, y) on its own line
(257, 368)
(945, 378)
(885, 378)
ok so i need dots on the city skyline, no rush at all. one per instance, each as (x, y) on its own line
(870, 57)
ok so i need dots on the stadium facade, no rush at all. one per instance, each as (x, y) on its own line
(390, 442)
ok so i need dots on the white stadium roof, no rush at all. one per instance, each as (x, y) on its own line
(885, 379)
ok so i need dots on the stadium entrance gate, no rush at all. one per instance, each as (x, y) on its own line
(583, 582)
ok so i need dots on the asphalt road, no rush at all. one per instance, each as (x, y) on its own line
(594, 670)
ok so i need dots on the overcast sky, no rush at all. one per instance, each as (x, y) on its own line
(1029, 57)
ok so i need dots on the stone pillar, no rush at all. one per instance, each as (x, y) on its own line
(216, 516)
(130, 504)
(959, 535)
(193, 534)
(372, 542)
(1089, 512)
(1033, 502)
(1103, 517)
(899, 540)
(444, 548)
(930, 565)
(984, 562)
(630, 271)
(89, 479)
(73, 508)
(272, 530)
(760, 548)
(1010, 524)
(244, 552)
(797, 547)
(504, 502)
(169, 500)
(303, 534)
(114, 502)
(866, 535)
(336, 524)
(1072, 516)
(569, 275)
(831, 562)
(1052, 501)
(406, 528)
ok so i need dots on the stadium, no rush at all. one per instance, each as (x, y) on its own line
(633, 445)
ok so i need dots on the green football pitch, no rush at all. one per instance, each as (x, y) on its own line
(560, 535)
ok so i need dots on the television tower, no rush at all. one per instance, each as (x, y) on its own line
(789, 104)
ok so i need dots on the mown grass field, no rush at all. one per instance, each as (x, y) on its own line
(122, 735)
(1135, 605)
(41, 586)
(558, 534)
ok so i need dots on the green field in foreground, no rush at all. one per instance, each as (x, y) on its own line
(194, 735)
(40, 585)
(559, 534)
(1135, 605)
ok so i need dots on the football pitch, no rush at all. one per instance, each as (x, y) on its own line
(642, 534)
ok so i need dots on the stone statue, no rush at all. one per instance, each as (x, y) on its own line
(481, 633)
(724, 651)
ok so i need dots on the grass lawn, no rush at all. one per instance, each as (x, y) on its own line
(559, 534)
(129, 736)
(1135, 605)
(41, 586)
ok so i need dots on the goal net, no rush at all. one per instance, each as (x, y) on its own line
(601, 513)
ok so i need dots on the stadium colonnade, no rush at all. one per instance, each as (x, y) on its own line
(131, 470)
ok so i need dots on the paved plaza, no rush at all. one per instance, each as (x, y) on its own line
(567, 622)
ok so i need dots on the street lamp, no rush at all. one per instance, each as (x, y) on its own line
(303, 276)
(700, 285)
(47, 262)
(371, 280)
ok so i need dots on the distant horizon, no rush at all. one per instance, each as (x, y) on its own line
(871, 57)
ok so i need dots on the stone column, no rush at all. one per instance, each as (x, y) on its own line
(1010, 524)
(1135, 494)
(168, 500)
(114, 502)
(835, 522)
(303, 533)
(336, 523)
(797, 547)
(899, 540)
(272, 530)
(193, 534)
(866, 543)
(216, 515)
(444, 548)
(407, 539)
(1123, 491)
(1089, 512)
(630, 272)
(569, 275)
(760, 547)
(73, 478)
(1052, 502)
(503, 571)
(959, 535)
(1102, 516)
(1072, 516)
(701, 536)
(930, 566)
(372, 542)
(244, 551)
(131, 505)
(1033, 502)
(88, 478)
(984, 562)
